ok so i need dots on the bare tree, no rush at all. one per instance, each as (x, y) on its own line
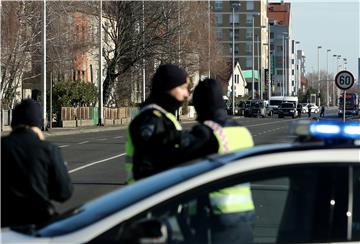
(20, 33)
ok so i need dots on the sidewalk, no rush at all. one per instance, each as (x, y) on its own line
(59, 131)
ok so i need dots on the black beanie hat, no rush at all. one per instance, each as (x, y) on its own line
(208, 100)
(28, 112)
(167, 77)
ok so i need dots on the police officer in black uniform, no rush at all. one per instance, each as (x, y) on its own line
(33, 172)
(156, 141)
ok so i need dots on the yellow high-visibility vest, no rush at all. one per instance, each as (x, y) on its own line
(236, 198)
(129, 146)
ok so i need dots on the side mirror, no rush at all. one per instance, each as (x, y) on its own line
(145, 231)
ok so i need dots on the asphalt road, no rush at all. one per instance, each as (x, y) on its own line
(96, 160)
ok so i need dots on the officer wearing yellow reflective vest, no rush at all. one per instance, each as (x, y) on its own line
(232, 207)
(156, 141)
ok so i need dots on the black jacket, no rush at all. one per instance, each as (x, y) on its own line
(33, 173)
(159, 146)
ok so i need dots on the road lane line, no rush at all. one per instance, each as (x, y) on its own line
(282, 121)
(64, 146)
(97, 162)
(83, 142)
(117, 137)
(102, 139)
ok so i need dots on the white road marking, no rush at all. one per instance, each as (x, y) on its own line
(83, 142)
(117, 137)
(102, 139)
(282, 121)
(97, 162)
(64, 146)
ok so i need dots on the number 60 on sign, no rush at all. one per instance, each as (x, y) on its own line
(344, 80)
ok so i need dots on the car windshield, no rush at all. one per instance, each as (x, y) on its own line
(287, 105)
(96, 67)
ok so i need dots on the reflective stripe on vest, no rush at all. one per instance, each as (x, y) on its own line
(236, 198)
(129, 146)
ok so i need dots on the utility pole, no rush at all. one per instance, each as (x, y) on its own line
(327, 75)
(143, 59)
(209, 38)
(233, 62)
(101, 99)
(43, 71)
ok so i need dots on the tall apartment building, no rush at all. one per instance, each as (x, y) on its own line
(282, 49)
(245, 12)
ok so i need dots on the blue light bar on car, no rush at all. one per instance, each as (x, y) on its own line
(328, 129)
(325, 130)
(352, 130)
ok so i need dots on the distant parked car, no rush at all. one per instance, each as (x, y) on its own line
(305, 108)
(314, 108)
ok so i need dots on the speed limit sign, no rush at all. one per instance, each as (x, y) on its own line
(344, 80)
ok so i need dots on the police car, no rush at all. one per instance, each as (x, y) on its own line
(304, 192)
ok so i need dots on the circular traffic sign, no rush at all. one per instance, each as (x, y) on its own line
(344, 80)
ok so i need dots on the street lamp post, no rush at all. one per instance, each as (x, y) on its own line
(269, 63)
(258, 66)
(253, 56)
(234, 5)
(233, 61)
(333, 86)
(209, 26)
(327, 74)
(318, 63)
(297, 80)
(283, 63)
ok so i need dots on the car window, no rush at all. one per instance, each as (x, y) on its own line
(284, 206)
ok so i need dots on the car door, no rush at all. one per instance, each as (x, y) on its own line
(292, 204)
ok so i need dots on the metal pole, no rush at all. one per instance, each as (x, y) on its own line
(269, 63)
(209, 41)
(44, 64)
(51, 90)
(327, 73)
(318, 59)
(233, 62)
(101, 99)
(143, 60)
(283, 66)
(344, 111)
(258, 66)
(253, 61)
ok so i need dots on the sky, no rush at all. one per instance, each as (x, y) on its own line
(331, 24)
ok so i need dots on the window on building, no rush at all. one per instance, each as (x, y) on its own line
(236, 35)
(272, 35)
(292, 61)
(248, 48)
(279, 72)
(249, 34)
(234, 18)
(218, 19)
(293, 82)
(218, 5)
(249, 19)
(237, 50)
(219, 34)
(248, 62)
(250, 5)
(292, 72)
(279, 49)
